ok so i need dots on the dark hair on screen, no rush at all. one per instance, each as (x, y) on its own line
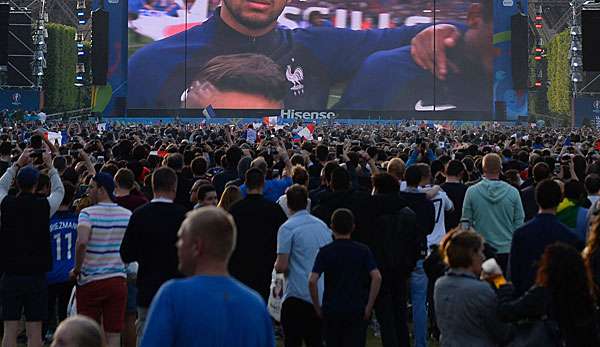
(249, 73)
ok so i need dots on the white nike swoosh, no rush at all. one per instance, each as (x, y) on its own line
(419, 107)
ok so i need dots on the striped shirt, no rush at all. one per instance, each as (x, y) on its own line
(108, 222)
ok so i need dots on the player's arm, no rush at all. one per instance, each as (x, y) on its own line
(329, 44)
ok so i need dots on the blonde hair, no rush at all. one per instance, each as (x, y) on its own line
(230, 196)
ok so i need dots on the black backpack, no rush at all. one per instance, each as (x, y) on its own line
(397, 241)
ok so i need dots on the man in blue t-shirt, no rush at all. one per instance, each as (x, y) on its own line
(298, 242)
(209, 308)
(348, 297)
(63, 232)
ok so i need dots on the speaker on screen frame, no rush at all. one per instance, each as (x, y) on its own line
(99, 47)
(519, 51)
(590, 27)
(4, 17)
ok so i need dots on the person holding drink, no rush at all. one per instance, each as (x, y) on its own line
(465, 305)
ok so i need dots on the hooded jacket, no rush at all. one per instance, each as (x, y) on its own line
(494, 209)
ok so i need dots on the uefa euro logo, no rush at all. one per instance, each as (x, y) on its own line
(596, 106)
(16, 99)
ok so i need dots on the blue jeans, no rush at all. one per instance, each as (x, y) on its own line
(418, 297)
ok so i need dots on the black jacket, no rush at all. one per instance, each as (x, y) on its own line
(25, 235)
(530, 206)
(357, 202)
(425, 211)
(150, 240)
(184, 185)
(536, 304)
(395, 236)
(258, 221)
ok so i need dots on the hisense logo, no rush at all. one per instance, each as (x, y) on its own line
(293, 114)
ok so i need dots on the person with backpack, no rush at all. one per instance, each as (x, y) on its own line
(395, 244)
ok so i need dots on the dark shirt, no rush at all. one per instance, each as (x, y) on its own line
(221, 179)
(314, 174)
(357, 202)
(346, 265)
(530, 206)
(150, 240)
(316, 194)
(425, 211)
(25, 235)
(528, 244)
(257, 221)
(182, 197)
(456, 192)
(132, 201)
(4, 165)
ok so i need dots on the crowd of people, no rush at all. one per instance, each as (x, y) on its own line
(171, 234)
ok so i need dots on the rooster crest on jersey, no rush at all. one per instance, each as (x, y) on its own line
(296, 77)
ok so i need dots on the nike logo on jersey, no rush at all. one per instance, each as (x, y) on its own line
(421, 108)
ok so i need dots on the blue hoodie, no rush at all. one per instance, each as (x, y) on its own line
(495, 211)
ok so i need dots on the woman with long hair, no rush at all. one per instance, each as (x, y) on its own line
(562, 293)
(230, 196)
(591, 255)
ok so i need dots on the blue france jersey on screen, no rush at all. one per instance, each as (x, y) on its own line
(63, 233)
(312, 59)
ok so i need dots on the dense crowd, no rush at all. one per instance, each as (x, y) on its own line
(177, 234)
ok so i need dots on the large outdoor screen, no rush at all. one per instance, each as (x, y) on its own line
(324, 58)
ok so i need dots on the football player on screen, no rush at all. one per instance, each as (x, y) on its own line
(312, 59)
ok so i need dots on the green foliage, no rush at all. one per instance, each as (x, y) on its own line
(559, 92)
(59, 89)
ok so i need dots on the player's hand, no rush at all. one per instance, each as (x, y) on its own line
(440, 36)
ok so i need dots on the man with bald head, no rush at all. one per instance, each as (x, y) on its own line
(494, 208)
(209, 307)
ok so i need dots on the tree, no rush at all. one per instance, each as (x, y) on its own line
(559, 92)
(59, 89)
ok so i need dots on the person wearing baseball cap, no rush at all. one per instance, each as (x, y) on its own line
(25, 247)
(100, 271)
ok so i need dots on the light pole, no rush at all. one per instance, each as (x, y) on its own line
(575, 54)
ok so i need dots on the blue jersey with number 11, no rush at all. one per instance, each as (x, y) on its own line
(63, 231)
